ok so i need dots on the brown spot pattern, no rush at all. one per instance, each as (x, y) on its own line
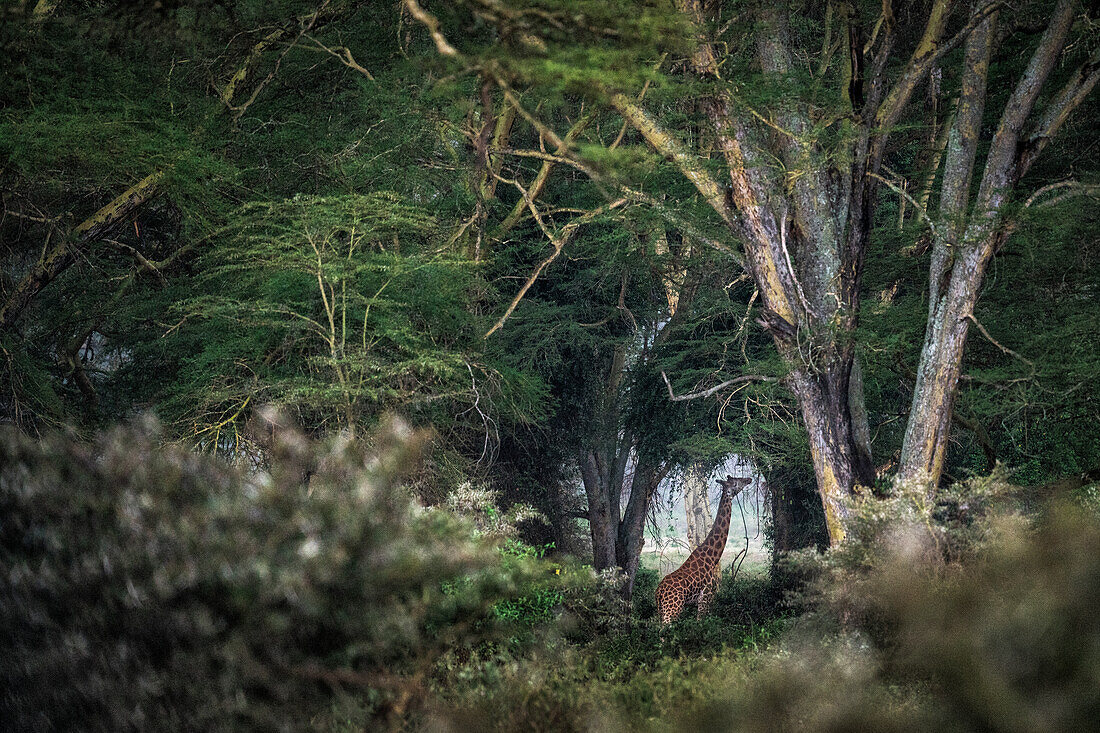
(697, 579)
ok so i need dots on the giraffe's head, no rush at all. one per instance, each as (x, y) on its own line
(733, 486)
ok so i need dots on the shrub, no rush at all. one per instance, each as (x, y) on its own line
(148, 587)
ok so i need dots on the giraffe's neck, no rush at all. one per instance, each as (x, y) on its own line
(721, 529)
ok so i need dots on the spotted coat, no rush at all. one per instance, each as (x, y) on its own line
(697, 579)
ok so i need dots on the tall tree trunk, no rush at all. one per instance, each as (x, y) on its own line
(924, 447)
(648, 475)
(969, 235)
(603, 519)
(696, 507)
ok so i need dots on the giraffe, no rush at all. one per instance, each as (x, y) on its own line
(698, 577)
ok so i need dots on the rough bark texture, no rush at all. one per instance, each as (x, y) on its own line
(969, 234)
(603, 521)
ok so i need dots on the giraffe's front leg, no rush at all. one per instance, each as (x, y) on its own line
(670, 600)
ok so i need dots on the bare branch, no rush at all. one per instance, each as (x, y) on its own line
(999, 345)
(558, 241)
(901, 192)
(541, 177)
(307, 25)
(343, 53)
(140, 259)
(708, 392)
(536, 123)
(1074, 189)
(432, 24)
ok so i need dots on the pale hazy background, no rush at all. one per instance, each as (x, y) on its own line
(666, 531)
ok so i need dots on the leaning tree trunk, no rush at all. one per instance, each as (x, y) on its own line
(924, 447)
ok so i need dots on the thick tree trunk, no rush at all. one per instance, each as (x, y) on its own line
(603, 520)
(826, 412)
(617, 539)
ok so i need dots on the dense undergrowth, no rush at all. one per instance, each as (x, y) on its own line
(146, 588)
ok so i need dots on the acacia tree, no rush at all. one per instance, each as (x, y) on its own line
(788, 153)
(972, 227)
(796, 187)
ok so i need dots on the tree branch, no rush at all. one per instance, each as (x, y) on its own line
(999, 345)
(901, 192)
(691, 166)
(1068, 99)
(56, 261)
(541, 177)
(1002, 168)
(928, 52)
(1075, 189)
(430, 22)
(558, 242)
(708, 392)
(343, 54)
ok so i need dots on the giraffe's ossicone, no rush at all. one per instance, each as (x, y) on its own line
(697, 579)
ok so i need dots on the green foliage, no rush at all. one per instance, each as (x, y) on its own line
(1001, 636)
(327, 306)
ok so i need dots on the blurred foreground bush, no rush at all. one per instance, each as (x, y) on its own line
(150, 588)
(965, 615)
